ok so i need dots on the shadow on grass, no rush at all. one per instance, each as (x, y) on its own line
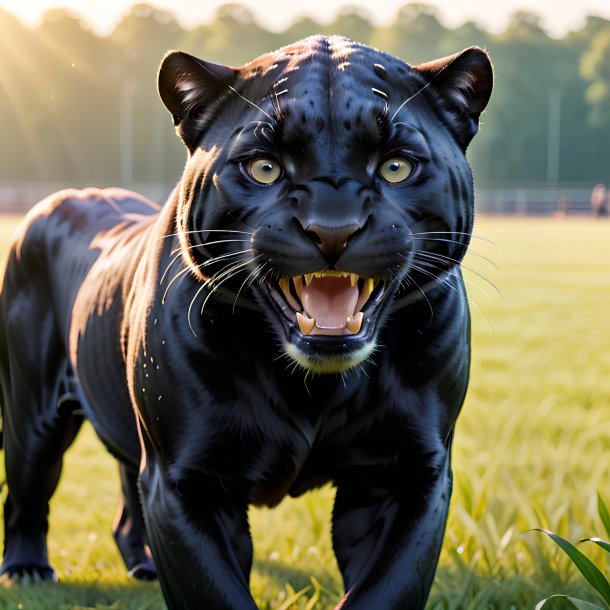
(298, 579)
(147, 596)
(453, 590)
(82, 596)
(319, 583)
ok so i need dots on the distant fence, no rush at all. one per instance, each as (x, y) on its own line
(534, 200)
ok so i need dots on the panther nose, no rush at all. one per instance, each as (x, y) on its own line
(331, 240)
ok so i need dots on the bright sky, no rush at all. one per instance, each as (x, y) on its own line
(559, 16)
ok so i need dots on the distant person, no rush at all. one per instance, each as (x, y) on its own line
(599, 201)
(561, 207)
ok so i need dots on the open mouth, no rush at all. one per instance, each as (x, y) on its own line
(327, 302)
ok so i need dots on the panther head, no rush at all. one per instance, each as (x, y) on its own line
(335, 177)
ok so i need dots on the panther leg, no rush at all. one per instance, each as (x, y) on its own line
(33, 466)
(387, 534)
(129, 532)
(198, 534)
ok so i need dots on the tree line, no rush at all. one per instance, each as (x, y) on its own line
(80, 109)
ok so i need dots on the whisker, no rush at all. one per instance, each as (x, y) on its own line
(232, 89)
(275, 100)
(257, 275)
(425, 297)
(169, 265)
(425, 86)
(223, 257)
(470, 301)
(455, 241)
(195, 231)
(250, 102)
(216, 281)
(471, 252)
(448, 261)
(436, 278)
(409, 99)
(229, 269)
(214, 258)
(179, 274)
(188, 313)
(444, 281)
(260, 125)
(251, 277)
(485, 292)
(215, 288)
(484, 258)
(200, 266)
(220, 241)
(441, 258)
(203, 286)
(472, 235)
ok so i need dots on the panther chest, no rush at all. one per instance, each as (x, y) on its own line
(243, 424)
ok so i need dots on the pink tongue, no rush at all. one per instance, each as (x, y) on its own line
(329, 300)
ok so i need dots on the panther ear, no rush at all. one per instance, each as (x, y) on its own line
(188, 86)
(464, 82)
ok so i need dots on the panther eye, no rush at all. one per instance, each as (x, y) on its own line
(264, 170)
(396, 169)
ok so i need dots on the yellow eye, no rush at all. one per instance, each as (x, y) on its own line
(396, 169)
(264, 170)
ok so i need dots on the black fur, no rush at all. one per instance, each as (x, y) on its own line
(107, 307)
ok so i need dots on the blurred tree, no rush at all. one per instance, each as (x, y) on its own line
(81, 94)
(353, 22)
(47, 82)
(514, 140)
(300, 29)
(20, 157)
(233, 38)
(595, 67)
(148, 150)
(467, 35)
(76, 108)
(415, 36)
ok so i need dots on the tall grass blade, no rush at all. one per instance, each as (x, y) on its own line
(586, 567)
(288, 603)
(577, 603)
(604, 515)
(315, 598)
(605, 545)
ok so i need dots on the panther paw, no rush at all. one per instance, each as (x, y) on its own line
(143, 571)
(27, 575)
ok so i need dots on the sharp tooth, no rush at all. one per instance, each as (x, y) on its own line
(353, 278)
(308, 277)
(285, 285)
(367, 289)
(354, 324)
(365, 293)
(305, 324)
(298, 285)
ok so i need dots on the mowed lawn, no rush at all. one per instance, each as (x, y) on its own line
(532, 448)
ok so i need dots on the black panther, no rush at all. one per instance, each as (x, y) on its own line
(294, 315)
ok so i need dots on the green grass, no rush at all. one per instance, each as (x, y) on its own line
(531, 450)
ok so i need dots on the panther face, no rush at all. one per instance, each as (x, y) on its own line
(340, 173)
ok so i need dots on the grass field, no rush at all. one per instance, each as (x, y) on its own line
(532, 448)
